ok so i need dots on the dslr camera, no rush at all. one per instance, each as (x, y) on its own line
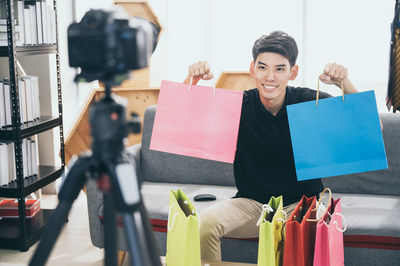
(106, 45)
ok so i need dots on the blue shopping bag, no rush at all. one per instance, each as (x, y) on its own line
(337, 137)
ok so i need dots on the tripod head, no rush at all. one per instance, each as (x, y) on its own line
(109, 126)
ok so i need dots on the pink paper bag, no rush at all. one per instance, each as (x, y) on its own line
(197, 123)
(329, 237)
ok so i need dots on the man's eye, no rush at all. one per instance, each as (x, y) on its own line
(261, 67)
(280, 69)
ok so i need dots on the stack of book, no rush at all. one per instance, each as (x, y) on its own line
(35, 22)
(7, 162)
(28, 88)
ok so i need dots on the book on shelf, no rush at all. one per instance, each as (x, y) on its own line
(19, 35)
(7, 162)
(3, 164)
(21, 21)
(27, 26)
(52, 23)
(29, 153)
(9, 208)
(2, 107)
(22, 100)
(45, 21)
(35, 156)
(18, 22)
(32, 15)
(32, 97)
(28, 92)
(2, 10)
(39, 21)
(7, 101)
(34, 22)
(12, 174)
(24, 157)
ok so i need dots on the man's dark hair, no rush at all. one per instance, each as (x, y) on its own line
(277, 42)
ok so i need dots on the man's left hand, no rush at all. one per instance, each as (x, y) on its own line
(336, 74)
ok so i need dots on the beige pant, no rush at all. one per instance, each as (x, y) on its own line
(232, 218)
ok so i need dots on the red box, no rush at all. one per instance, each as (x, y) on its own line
(9, 208)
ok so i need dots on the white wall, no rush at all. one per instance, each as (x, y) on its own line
(354, 33)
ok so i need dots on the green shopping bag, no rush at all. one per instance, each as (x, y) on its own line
(271, 238)
(183, 240)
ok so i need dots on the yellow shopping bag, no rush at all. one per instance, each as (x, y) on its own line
(183, 240)
(271, 237)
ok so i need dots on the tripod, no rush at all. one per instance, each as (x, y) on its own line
(116, 178)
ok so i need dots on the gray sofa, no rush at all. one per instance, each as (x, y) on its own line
(370, 201)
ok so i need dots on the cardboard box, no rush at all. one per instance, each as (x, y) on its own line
(9, 208)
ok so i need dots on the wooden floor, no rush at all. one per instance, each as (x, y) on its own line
(73, 246)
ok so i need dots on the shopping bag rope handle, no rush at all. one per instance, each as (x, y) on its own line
(319, 202)
(283, 220)
(336, 223)
(267, 208)
(173, 219)
(341, 86)
(191, 82)
(343, 221)
(187, 203)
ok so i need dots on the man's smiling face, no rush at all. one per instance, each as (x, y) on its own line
(272, 72)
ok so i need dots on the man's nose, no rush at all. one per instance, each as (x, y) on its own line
(270, 75)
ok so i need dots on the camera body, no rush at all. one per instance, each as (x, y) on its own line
(107, 44)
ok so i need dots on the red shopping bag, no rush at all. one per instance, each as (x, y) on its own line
(300, 234)
(329, 237)
(200, 122)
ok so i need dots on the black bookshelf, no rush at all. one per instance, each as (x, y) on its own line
(9, 230)
(45, 176)
(40, 125)
(22, 232)
(31, 50)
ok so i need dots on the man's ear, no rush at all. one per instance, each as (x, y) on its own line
(294, 71)
(252, 69)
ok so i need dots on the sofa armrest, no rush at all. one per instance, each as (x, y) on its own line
(134, 153)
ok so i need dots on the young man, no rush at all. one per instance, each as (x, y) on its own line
(264, 163)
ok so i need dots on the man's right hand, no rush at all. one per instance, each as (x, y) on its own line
(199, 70)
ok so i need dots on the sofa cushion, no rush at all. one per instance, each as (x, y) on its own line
(384, 182)
(172, 168)
(370, 257)
(156, 196)
(371, 215)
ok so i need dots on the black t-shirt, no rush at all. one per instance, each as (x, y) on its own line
(264, 164)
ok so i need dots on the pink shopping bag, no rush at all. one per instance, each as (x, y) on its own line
(197, 121)
(329, 237)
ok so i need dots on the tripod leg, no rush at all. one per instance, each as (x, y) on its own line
(139, 255)
(68, 193)
(148, 230)
(127, 198)
(110, 230)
